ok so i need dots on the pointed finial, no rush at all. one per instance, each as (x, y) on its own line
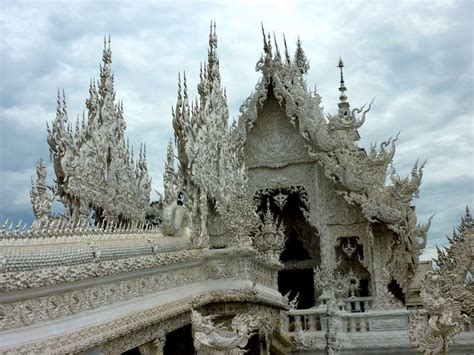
(340, 66)
(264, 38)
(343, 104)
(287, 55)
(300, 58)
(277, 50)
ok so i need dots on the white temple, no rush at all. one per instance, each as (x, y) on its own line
(276, 235)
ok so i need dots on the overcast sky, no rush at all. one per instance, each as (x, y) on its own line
(416, 58)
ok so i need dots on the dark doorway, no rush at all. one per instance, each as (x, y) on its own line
(397, 291)
(298, 282)
(301, 254)
(179, 342)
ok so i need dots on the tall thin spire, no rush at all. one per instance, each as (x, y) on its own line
(287, 55)
(213, 60)
(343, 103)
(300, 58)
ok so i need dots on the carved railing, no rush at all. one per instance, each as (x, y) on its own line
(80, 306)
(315, 320)
(59, 228)
(358, 304)
(311, 328)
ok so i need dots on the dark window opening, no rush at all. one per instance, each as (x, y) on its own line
(179, 342)
(297, 282)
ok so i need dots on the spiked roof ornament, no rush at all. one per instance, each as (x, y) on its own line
(300, 58)
(343, 103)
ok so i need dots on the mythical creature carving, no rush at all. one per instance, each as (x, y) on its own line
(210, 338)
(446, 293)
(176, 220)
(40, 198)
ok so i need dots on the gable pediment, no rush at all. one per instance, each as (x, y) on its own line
(273, 141)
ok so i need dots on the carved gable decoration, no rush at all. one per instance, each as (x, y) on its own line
(273, 141)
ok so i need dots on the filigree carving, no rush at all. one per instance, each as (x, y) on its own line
(94, 166)
(280, 200)
(447, 298)
(212, 170)
(209, 338)
(41, 200)
(359, 178)
(270, 237)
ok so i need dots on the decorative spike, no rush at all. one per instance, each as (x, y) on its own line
(185, 91)
(343, 103)
(300, 58)
(264, 38)
(287, 55)
(277, 50)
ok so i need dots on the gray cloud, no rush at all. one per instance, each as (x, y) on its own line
(415, 57)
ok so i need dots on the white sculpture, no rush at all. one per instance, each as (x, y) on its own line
(209, 337)
(176, 220)
(446, 296)
(94, 167)
(41, 200)
(357, 226)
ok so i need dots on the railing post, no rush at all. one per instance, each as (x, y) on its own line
(312, 322)
(297, 323)
(353, 325)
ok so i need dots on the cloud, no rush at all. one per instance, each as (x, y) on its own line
(416, 60)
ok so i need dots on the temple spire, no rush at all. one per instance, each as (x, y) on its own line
(212, 60)
(107, 52)
(343, 103)
(300, 58)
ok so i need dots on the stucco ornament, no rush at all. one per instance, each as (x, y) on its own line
(216, 339)
(41, 199)
(211, 169)
(270, 236)
(447, 294)
(360, 177)
(176, 220)
(286, 188)
(95, 168)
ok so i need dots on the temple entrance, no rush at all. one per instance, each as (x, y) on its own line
(302, 251)
(179, 342)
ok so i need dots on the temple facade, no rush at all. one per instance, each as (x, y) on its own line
(277, 234)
